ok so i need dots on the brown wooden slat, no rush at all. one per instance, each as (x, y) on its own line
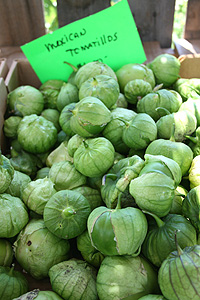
(153, 49)
(11, 53)
(73, 10)
(20, 21)
(196, 45)
(192, 24)
(165, 19)
(154, 19)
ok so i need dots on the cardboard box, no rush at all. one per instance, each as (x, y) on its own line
(21, 73)
(3, 67)
(3, 98)
(190, 66)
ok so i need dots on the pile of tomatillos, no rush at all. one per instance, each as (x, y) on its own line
(100, 187)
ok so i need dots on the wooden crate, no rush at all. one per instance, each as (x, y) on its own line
(21, 21)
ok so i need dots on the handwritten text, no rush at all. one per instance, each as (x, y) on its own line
(65, 39)
(102, 40)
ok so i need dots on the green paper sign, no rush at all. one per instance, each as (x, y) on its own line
(109, 36)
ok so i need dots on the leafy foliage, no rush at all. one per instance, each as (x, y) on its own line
(179, 19)
(51, 18)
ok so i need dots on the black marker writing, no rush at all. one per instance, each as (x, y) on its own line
(65, 39)
(97, 59)
(102, 40)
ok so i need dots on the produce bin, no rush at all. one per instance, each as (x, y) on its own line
(21, 73)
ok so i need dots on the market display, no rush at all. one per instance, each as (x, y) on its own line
(100, 186)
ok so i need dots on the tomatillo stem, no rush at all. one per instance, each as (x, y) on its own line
(119, 201)
(159, 222)
(162, 109)
(85, 144)
(72, 66)
(157, 87)
(68, 211)
(11, 271)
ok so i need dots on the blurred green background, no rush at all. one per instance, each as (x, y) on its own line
(51, 20)
(179, 19)
(50, 13)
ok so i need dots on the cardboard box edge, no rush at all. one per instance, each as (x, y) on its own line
(3, 100)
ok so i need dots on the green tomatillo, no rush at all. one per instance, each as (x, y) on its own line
(165, 68)
(92, 69)
(13, 283)
(159, 103)
(117, 231)
(163, 165)
(180, 124)
(178, 151)
(36, 294)
(160, 239)
(178, 276)
(114, 129)
(94, 157)
(117, 180)
(126, 277)
(90, 116)
(139, 132)
(36, 134)
(132, 71)
(191, 206)
(6, 173)
(103, 87)
(75, 279)
(37, 249)
(66, 213)
(153, 192)
(6, 253)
